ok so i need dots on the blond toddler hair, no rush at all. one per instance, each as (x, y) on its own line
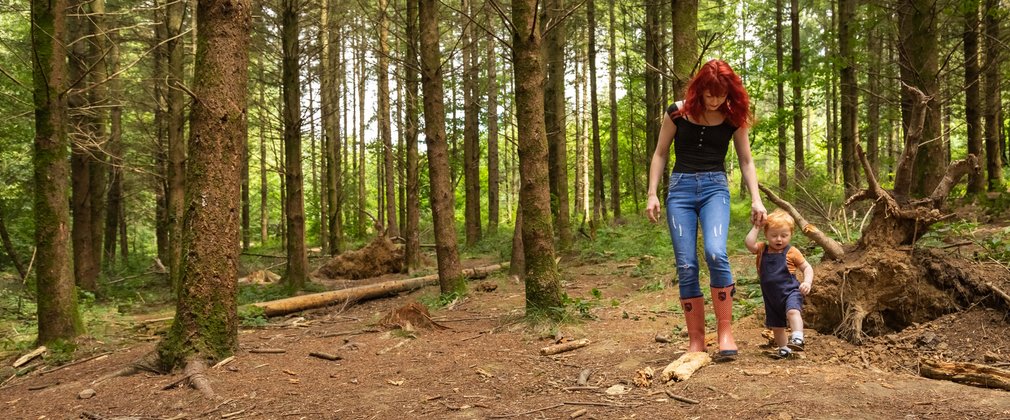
(779, 219)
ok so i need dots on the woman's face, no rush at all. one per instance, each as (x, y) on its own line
(713, 102)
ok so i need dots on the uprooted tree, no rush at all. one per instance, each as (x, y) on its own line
(884, 283)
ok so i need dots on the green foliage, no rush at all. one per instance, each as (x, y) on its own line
(442, 300)
(251, 316)
(251, 293)
(60, 352)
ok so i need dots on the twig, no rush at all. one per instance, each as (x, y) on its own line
(74, 363)
(680, 398)
(327, 356)
(268, 351)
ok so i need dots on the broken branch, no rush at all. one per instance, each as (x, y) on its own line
(563, 347)
(832, 249)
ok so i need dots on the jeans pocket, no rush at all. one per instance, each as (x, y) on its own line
(721, 179)
(674, 180)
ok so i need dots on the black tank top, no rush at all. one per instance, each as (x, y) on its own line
(699, 148)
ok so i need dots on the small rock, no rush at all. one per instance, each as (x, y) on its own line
(87, 393)
(662, 338)
(617, 390)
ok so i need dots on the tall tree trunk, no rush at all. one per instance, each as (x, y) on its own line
(114, 203)
(796, 80)
(919, 58)
(780, 100)
(160, 150)
(554, 118)
(493, 176)
(297, 261)
(360, 163)
(450, 275)
(385, 132)
(995, 52)
(471, 137)
(652, 114)
(315, 196)
(685, 44)
(174, 45)
(850, 95)
(327, 95)
(85, 145)
(581, 142)
(542, 279)
(599, 201)
(972, 101)
(264, 206)
(206, 316)
(9, 245)
(412, 251)
(615, 175)
(58, 318)
(873, 100)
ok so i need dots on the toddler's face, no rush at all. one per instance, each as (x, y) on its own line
(778, 238)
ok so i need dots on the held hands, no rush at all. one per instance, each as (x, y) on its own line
(757, 213)
(652, 208)
(805, 287)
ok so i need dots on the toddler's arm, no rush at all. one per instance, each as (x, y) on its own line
(808, 278)
(751, 240)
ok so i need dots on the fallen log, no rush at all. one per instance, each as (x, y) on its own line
(355, 294)
(28, 357)
(685, 366)
(966, 373)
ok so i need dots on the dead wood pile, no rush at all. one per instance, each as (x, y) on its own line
(381, 256)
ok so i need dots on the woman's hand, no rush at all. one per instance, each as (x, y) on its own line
(757, 213)
(652, 208)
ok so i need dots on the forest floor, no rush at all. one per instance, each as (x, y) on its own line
(487, 363)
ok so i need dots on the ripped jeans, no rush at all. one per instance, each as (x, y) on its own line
(694, 197)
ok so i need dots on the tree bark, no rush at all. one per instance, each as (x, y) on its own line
(471, 137)
(995, 52)
(9, 245)
(412, 251)
(449, 269)
(919, 57)
(850, 95)
(874, 97)
(796, 80)
(615, 174)
(780, 100)
(599, 201)
(174, 45)
(115, 207)
(543, 281)
(685, 44)
(297, 261)
(264, 208)
(85, 144)
(554, 118)
(972, 101)
(493, 175)
(58, 317)
(385, 131)
(206, 319)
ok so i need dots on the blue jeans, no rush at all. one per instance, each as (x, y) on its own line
(694, 197)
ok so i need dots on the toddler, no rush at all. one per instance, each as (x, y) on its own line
(777, 264)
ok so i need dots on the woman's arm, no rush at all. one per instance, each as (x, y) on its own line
(742, 145)
(657, 166)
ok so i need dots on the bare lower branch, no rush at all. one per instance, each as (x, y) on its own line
(955, 171)
(832, 249)
(903, 174)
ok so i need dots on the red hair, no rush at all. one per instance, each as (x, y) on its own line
(718, 78)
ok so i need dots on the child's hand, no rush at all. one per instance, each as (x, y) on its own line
(805, 287)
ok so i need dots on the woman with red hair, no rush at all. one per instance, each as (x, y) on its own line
(716, 110)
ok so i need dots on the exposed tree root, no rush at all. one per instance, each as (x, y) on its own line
(146, 363)
(194, 370)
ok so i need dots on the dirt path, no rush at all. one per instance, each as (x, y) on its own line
(487, 365)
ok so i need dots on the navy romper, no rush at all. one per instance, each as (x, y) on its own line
(779, 287)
